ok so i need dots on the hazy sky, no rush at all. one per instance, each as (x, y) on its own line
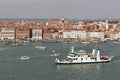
(81, 9)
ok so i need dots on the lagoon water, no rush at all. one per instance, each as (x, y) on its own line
(41, 65)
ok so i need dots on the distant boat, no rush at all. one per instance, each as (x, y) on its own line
(15, 44)
(40, 47)
(24, 57)
(53, 51)
(55, 55)
(26, 41)
(116, 42)
(8, 43)
(86, 42)
(81, 56)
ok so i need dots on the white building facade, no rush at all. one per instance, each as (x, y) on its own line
(100, 35)
(7, 34)
(74, 34)
(37, 34)
(114, 35)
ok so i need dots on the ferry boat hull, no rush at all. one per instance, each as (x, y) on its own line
(69, 62)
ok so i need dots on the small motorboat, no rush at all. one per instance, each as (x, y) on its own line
(26, 41)
(40, 47)
(24, 57)
(86, 42)
(15, 44)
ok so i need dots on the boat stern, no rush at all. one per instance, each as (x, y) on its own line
(111, 57)
(57, 60)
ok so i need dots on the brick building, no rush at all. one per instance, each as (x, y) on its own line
(22, 33)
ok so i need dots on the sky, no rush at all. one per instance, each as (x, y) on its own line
(77, 9)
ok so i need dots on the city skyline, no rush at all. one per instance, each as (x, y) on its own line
(77, 9)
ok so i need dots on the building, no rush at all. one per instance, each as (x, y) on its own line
(48, 36)
(74, 34)
(114, 35)
(22, 33)
(7, 34)
(58, 22)
(37, 34)
(100, 35)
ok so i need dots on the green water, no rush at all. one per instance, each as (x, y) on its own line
(41, 65)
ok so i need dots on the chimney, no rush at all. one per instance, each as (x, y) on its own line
(98, 55)
(93, 52)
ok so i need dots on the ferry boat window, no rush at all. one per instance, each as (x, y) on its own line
(92, 58)
(81, 59)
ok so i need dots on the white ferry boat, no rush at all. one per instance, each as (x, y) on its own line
(81, 56)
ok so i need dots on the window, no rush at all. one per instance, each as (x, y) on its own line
(81, 59)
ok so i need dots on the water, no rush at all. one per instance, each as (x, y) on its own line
(42, 67)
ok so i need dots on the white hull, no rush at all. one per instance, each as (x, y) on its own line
(40, 47)
(55, 55)
(81, 62)
(24, 57)
(68, 62)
